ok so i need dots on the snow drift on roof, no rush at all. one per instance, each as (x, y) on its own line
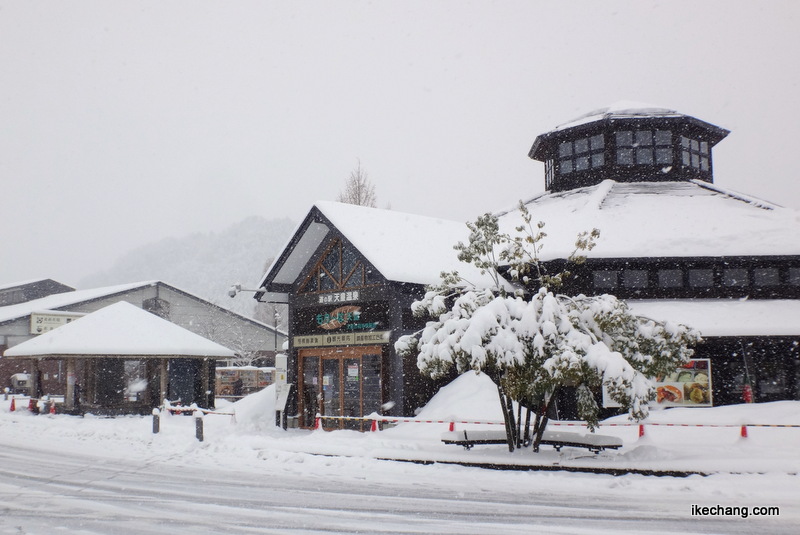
(726, 317)
(620, 109)
(404, 247)
(661, 219)
(56, 301)
(120, 329)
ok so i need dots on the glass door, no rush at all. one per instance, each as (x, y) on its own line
(340, 382)
(352, 392)
(331, 392)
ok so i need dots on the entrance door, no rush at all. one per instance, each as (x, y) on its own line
(344, 382)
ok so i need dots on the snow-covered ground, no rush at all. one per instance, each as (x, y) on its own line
(101, 475)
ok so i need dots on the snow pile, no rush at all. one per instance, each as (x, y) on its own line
(471, 396)
(255, 412)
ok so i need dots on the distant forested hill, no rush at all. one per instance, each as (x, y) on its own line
(206, 264)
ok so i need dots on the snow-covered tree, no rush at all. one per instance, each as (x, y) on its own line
(532, 344)
(359, 189)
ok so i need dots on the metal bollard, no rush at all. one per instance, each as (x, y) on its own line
(198, 425)
(156, 421)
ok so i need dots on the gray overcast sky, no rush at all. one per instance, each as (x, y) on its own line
(126, 122)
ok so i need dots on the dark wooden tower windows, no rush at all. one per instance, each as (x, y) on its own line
(581, 154)
(644, 147)
(695, 153)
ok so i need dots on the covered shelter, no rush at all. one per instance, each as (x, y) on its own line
(122, 359)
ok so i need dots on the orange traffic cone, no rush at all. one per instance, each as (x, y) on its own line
(32, 405)
(13, 406)
(743, 433)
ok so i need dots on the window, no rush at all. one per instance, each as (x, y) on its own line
(766, 277)
(794, 276)
(644, 147)
(606, 279)
(670, 278)
(701, 278)
(581, 154)
(339, 268)
(634, 278)
(735, 277)
(695, 153)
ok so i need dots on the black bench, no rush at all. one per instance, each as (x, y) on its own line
(557, 439)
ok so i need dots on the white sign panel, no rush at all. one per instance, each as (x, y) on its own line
(41, 322)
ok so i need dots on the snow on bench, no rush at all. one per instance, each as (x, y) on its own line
(557, 439)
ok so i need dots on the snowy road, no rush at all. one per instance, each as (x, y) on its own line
(46, 491)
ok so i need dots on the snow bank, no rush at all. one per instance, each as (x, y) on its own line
(471, 396)
(255, 412)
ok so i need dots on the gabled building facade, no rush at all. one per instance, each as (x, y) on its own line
(349, 275)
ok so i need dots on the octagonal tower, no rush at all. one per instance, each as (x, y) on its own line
(627, 142)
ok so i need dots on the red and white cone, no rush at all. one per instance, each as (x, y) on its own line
(13, 406)
(374, 427)
(31, 405)
(318, 422)
(641, 430)
(52, 407)
(452, 427)
(743, 432)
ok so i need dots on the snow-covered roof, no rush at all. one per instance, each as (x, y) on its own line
(52, 303)
(402, 247)
(621, 109)
(56, 301)
(121, 329)
(726, 317)
(6, 285)
(661, 219)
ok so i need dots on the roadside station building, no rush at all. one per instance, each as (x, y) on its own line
(674, 244)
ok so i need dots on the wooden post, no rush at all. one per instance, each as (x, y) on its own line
(206, 383)
(69, 400)
(198, 424)
(164, 380)
(35, 378)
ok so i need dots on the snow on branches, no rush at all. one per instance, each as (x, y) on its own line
(534, 344)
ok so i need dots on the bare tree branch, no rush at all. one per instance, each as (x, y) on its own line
(358, 189)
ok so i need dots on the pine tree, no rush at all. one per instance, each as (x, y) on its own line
(532, 345)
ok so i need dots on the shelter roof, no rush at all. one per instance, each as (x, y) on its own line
(121, 329)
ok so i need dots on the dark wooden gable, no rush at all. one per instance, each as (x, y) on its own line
(339, 267)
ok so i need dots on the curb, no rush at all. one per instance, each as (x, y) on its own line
(556, 468)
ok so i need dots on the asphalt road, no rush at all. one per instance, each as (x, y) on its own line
(44, 491)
